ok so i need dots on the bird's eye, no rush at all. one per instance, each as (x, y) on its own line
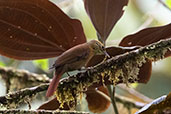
(103, 47)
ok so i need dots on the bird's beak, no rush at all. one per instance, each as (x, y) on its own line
(106, 54)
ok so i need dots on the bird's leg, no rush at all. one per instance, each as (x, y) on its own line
(105, 58)
(85, 68)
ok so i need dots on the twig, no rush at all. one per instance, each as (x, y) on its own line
(123, 100)
(18, 79)
(39, 112)
(12, 100)
(112, 97)
(135, 93)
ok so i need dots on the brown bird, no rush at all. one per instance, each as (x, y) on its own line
(73, 59)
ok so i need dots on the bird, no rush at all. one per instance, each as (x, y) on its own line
(73, 59)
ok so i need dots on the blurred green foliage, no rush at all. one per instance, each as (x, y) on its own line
(2, 63)
(43, 64)
(168, 3)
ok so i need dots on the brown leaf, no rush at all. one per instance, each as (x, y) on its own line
(147, 36)
(96, 102)
(36, 29)
(160, 105)
(52, 105)
(104, 14)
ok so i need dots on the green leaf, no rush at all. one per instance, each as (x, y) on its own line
(168, 3)
(42, 63)
(2, 63)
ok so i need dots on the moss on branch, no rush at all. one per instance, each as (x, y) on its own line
(39, 112)
(120, 69)
(18, 79)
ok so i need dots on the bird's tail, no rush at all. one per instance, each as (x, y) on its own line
(55, 81)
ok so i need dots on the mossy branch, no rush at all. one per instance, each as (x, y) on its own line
(11, 100)
(39, 112)
(120, 69)
(18, 79)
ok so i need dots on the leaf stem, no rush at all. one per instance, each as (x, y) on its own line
(112, 97)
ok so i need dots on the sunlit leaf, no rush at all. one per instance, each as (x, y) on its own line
(43, 63)
(36, 29)
(158, 106)
(168, 3)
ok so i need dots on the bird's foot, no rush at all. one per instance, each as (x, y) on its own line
(68, 74)
(83, 69)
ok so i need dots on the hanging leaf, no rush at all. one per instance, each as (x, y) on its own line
(97, 103)
(104, 14)
(36, 29)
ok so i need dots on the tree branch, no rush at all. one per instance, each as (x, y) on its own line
(13, 99)
(39, 112)
(19, 79)
(120, 69)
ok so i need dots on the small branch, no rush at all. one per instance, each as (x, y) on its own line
(112, 98)
(32, 77)
(39, 112)
(129, 102)
(124, 100)
(18, 79)
(135, 93)
(12, 100)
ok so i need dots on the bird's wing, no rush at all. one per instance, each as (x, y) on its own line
(72, 55)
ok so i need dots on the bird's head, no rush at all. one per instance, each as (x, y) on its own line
(98, 48)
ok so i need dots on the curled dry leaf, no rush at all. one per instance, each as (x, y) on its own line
(160, 105)
(104, 14)
(36, 29)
